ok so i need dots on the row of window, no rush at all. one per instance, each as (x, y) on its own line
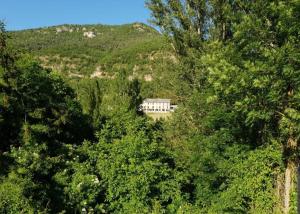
(147, 107)
(158, 110)
(157, 105)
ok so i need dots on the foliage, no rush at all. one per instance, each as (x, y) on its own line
(12, 197)
(230, 147)
(242, 78)
(137, 49)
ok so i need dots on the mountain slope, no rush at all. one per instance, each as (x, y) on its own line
(95, 50)
(102, 51)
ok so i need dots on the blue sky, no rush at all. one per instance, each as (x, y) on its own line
(24, 14)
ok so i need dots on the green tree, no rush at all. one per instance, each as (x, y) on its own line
(13, 195)
(246, 67)
(40, 119)
(138, 171)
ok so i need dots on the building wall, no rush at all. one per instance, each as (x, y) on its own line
(156, 106)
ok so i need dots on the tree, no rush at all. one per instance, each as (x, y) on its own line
(258, 76)
(6, 63)
(41, 118)
(247, 64)
(90, 95)
(137, 170)
(13, 196)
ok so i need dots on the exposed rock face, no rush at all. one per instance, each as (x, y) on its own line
(148, 78)
(139, 27)
(133, 76)
(99, 73)
(76, 75)
(58, 30)
(102, 75)
(89, 34)
(63, 29)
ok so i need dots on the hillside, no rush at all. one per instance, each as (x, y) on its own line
(102, 51)
(94, 50)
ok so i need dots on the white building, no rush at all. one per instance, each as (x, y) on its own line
(157, 105)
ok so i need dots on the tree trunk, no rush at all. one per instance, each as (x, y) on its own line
(298, 189)
(224, 31)
(288, 179)
(290, 173)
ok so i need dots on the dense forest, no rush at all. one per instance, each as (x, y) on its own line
(72, 142)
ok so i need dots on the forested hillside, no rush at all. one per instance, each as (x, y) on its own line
(73, 140)
(102, 52)
(82, 49)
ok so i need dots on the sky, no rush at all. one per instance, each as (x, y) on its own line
(26, 14)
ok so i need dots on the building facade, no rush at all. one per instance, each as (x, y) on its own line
(157, 105)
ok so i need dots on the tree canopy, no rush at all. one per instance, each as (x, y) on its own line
(80, 145)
